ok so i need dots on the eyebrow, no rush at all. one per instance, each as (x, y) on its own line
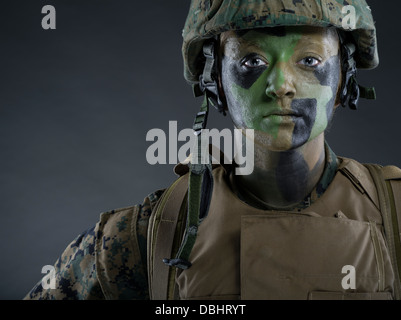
(229, 44)
(303, 42)
(313, 44)
(241, 41)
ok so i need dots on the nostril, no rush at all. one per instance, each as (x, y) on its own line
(280, 93)
(271, 93)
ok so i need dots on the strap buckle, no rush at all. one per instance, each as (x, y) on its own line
(200, 122)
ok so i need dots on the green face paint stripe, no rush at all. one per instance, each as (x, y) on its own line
(280, 79)
(276, 41)
(323, 100)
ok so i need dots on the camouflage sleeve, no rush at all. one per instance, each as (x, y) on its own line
(107, 261)
(74, 272)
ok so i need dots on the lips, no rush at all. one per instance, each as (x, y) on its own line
(283, 113)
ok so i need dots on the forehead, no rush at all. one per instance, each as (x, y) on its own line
(325, 39)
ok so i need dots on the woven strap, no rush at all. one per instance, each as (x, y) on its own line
(390, 220)
(199, 191)
(165, 231)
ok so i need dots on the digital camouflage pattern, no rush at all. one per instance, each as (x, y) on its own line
(107, 261)
(208, 18)
(75, 272)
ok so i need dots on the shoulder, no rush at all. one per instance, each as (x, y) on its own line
(363, 176)
(77, 261)
(363, 171)
(121, 240)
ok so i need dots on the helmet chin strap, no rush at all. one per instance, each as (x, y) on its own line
(208, 80)
(351, 91)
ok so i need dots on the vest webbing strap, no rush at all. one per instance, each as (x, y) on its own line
(395, 221)
(390, 222)
(165, 231)
(199, 191)
(165, 227)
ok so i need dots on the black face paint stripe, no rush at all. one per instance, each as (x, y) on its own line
(324, 73)
(328, 74)
(307, 109)
(273, 31)
(294, 191)
(240, 75)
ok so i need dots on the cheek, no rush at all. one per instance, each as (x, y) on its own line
(322, 85)
(329, 76)
(228, 77)
(239, 88)
(234, 104)
(239, 103)
(329, 73)
(323, 90)
(318, 113)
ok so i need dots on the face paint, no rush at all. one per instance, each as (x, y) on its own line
(307, 108)
(271, 88)
(293, 191)
(329, 76)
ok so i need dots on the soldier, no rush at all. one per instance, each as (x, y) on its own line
(305, 224)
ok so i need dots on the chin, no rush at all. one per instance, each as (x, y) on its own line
(280, 148)
(281, 143)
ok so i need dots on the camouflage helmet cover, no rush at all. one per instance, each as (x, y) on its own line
(208, 18)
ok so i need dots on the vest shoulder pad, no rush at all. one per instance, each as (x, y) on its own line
(121, 250)
(391, 173)
(359, 175)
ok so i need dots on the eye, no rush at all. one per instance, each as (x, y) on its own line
(254, 62)
(310, 62)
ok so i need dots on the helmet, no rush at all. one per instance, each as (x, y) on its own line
(209, 18)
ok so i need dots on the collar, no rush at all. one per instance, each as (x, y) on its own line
(330, 169)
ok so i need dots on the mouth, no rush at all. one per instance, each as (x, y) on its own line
(282, 113)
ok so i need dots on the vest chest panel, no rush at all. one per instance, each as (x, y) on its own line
(245, 253)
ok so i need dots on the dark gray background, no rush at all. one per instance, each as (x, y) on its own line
(76, 104)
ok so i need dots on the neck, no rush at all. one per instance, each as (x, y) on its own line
(281, 180)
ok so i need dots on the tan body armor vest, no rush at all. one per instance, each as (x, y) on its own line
(334, 249)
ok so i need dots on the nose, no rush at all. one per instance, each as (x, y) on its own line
(279, 83)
